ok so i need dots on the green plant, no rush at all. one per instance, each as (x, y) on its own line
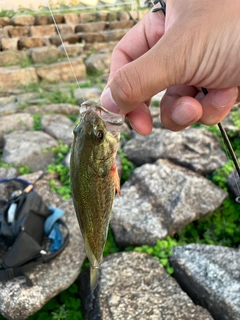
(24, 170)
(25, 62)
(37, 122)
(161, 251)
(127, 166)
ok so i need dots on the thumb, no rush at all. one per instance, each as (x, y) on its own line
(139, 80)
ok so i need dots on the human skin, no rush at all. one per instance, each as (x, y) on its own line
(197, 44)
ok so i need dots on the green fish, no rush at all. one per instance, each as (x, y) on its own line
(94, 178)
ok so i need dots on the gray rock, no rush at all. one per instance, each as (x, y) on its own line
(233, 182)
(83, 94)
(1, 140)
(196, 149)
(44, 54)
(211, 277)
(8, 108)
(62, 108)
(8, 173)
(29, 148)
(62, 71)
(49, 279)
(18, 121)
(136, 286)
(99, 62)
(59, 127)
(228, 123)
(11, 57)
(159, 200)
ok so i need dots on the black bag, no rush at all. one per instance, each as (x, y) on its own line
(22, 220)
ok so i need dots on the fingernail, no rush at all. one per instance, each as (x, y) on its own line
(184, 113)
(221, 99)
(108, 102)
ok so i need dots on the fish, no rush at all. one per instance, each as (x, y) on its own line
(94, 178)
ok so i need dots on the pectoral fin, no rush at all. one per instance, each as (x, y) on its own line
(114, 173)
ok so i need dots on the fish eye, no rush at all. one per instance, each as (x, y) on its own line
(99, 135)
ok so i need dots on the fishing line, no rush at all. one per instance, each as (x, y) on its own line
(64, 47)
(224, 135)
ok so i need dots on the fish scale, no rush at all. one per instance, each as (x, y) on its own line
(94, 181)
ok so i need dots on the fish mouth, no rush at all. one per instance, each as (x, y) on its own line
(113, 121)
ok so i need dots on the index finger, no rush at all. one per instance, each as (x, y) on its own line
(141, 38)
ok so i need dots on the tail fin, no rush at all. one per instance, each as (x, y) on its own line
(94, 275)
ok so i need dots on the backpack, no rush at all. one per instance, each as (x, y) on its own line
(30, 232)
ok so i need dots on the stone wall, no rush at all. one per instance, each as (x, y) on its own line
(31, 48)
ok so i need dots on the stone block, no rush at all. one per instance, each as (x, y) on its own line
(69, 38)
(62, 71)
(31, 42)
(65, 29)
(93, 36)
(41, 31)
(71, 18)
(41, 19)
(19, 32)
(87, 17)
(124, 24)
(4, 21)
(112, 16)
(12, 78)
(101, 16)
(5, 31)
(12, 57)
(23, 20)
(73, 50)
(123, 16)
(9, 44)
(91, 27)
(57, 17)
(44, 54)
(133, 15)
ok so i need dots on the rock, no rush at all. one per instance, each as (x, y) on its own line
(49, 279)
(210, 276)
(62, 71)
(59, 127)
(196, 149)
(233, 182)
(229, 124)
(15, 77)
(1, 140)
(41, 19)
(91, 27)
(4, 21)
(99, 46)
(136, 286)
(8, 105)
(99, 62)
(18, 121)
(83, 94)
(123, 16)
(41, 31)
(57, 17)
(112, 16)
(68, 38)
(31, 42)
(8, 173)
(28, 148)
(23, 20)
(65, 29)
(5, 31)
(12, 57)
(102, 16)
(102, 36)
(87, 17)
(19, 32)
(9, 44)
(123, 24)
(159, 200)
(133, 15)
(71, 18)
(44, 54)
(73, 50)
(62, 108)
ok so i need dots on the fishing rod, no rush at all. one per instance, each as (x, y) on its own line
(205, 91)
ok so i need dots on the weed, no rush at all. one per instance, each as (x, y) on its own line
(37, 122)
(127, 166)
(24, 170)
(25, 62)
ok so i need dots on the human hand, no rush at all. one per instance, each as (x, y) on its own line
(196, 45)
